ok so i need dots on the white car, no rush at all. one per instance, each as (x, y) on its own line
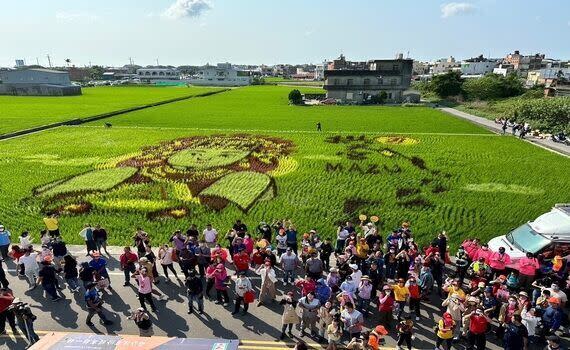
(548, 235)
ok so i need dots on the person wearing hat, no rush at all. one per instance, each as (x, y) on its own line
(94, 305)
(143, 322)
(289, 317)
(455, 308)
(268, 279)
(242, 286)
(220, 275)
(333, 279)
(478, 325)
(375, 337)
(462, 263)
(554, 343)
(356, 274)
(4, 242)
(552, 316)
(195, 292)
(47, 277)
(516, 335)
(386, 306)
(444, 333)
(289, 263)
(489, 302)
(364, 294)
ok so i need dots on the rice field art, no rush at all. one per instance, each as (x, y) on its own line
(168, 179)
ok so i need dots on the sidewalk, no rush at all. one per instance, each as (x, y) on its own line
(496, 128)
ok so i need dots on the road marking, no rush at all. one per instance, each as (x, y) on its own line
(291, 131)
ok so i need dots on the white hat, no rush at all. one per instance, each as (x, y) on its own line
(1, 227)
(353, 266)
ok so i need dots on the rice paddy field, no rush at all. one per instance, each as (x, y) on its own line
(23, 112)
(246, 154)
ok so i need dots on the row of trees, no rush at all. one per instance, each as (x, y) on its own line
(489, 87)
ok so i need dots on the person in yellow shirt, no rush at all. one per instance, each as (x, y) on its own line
(362, 249)
(52, 225)
(445, 328)
(455, 289)
(401, 295)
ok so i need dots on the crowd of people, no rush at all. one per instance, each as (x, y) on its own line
(361, 278)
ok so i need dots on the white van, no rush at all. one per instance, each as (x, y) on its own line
(548, 235)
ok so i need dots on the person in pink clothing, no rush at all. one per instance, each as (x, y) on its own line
(249, 243)
(484, 252)
(527, 267)
(471, 247)
(499, 261)
(220, 277)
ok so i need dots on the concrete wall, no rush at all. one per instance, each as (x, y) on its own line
(38, 90)
(33, 76)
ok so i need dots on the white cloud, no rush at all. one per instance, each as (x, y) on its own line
(63, 16)
(186, 8)
(456, 8)
(309, 32)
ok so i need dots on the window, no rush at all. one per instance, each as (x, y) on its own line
(389, 95)
(395, 67)
(393, 81)
(366, 81)
(349, 82)
(349, 95)
(337, 82)
(526, 239)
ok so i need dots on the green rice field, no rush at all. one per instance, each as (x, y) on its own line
(246, 154)
(24, 112)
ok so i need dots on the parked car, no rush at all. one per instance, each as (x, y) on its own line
(548, 235)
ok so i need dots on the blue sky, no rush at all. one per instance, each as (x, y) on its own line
(270, 31)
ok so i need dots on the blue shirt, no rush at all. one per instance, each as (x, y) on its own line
(5, 237)
(552, 318)
(92, 295)
(99, 266)
(291, 236)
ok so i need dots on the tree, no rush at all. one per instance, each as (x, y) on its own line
(96, 72)
(448, 84)
(295, 97)
(380, 98)
(67, 61)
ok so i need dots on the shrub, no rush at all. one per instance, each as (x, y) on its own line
(448, 84)
(295, 97)
(493, 86)
(551, 114)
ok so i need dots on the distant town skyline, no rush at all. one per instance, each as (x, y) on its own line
(195, 32)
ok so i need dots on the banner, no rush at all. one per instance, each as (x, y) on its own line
(80, 341)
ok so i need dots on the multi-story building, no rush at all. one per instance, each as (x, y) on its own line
(154, 74)
(221, 75)
(444, 65)
(523, 63)
(546, 76)
(478, 66)
(359, 85)
(37, 82)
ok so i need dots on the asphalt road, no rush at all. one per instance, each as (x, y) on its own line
(259, 330)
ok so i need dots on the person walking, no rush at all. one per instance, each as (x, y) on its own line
(127, 264)
(165, 254)
(309, 315)
(143, 322)
(144, 288)
(268, 279)
(195, 292)
(242, 286)
(101, 274)
(4, 242)
(94, 305)
(47, 277)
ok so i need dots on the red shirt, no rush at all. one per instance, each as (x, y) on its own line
(6, 300)
(306, 286)
(414, 291)
(128, 258)
(387, 305)
(257, 258)
(241, 261)
(477, 324)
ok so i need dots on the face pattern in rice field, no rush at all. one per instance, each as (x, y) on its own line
(168, 179)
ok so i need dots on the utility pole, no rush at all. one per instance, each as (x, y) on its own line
(37, 61)
(49, 60)
(157, 62)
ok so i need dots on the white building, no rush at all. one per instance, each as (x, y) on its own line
(478, 66)
(37, 82)
(320, 70)
(154, 74)
(222, 74)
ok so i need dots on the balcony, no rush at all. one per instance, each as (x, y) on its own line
(362, 87)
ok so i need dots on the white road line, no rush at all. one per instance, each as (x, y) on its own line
(289, 131)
